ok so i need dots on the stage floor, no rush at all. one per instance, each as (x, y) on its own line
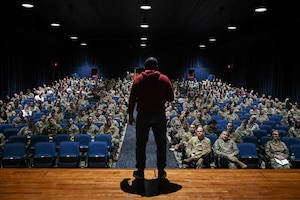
(87, 183)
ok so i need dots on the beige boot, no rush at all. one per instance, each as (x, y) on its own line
(241, 164)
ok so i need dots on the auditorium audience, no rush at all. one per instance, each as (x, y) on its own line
(100, 98)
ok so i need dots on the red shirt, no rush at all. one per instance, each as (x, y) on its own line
(150, 90)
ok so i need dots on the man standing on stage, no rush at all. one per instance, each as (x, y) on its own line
(150, 91)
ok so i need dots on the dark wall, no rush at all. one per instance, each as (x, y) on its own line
(267, 63)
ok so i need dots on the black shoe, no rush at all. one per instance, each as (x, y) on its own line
(138, 174)
(162, 174)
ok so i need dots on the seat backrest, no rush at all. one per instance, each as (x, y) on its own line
(282, 127)
(280, 116)
(250, 139)
(10, 131)
(290, 140)
(212, 138)
(271, 123)
(38, 138)
(259, 133)
(69, 148)
(14, 150)
(45, 149)
(83, 139)
(4, 126)
(264, 140)
(17, 139)
(247, 149)
(282, 133)
(216, 117)
(106, 138)
(266, 127)
(98, 148)
(276, 119)
(57, 139)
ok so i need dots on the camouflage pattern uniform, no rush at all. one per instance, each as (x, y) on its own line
(273, 149)
(201, 149)
(222, 148)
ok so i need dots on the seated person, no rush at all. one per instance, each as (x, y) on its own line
(275, 149)
(227, 151)
(198, 149)
(211, 127)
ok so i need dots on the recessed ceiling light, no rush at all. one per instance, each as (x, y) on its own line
(144, 25)
(202, 46)
(212, 39)
(55, 24)
(231, 27)
(145, 6)
(74, 37)
(260, 9)
(27, 5)
(144, 38)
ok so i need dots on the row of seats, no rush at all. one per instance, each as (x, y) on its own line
(252, 149)
(45, 154)
(82, 139)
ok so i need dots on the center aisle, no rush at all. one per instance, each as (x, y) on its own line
(126, 157)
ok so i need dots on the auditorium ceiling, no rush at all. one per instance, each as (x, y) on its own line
(182, 22)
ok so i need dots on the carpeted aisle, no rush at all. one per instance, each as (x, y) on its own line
(127, 155)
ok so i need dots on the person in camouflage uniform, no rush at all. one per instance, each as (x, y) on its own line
(276, 149)
(211, 127)
(198, 149)
(185, 137)
(52, 129)
(71, 129)
(29, 130)
(227, 151)
(243, 129)
(90, 128)
(232, 134)
(110, 128)
(295, 131)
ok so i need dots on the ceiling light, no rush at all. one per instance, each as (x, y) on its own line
(260, 9)
(231, 27)
(145, 5)
(143, 45)
(27, 5)
(74, 37)
(144, 24)
(55, 24)
(212, 39)
(202, 46)
(144, 38)
(83, 44)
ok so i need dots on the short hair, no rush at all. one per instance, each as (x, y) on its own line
(151, 63)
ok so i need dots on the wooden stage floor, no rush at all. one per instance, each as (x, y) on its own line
(113, 183)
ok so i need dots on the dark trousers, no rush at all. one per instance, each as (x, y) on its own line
(156, 121)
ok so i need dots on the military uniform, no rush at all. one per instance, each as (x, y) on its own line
(223, 148)
(242, 131)
(90, 129)
(29, 131)
(72, 130)
(201, 148)
(273, 149)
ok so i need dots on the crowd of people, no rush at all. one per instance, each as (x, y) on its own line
(99, 106)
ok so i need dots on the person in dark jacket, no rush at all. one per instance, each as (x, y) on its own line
(149, 93)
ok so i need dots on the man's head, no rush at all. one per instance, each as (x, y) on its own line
(151, 63)
(200, 132)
